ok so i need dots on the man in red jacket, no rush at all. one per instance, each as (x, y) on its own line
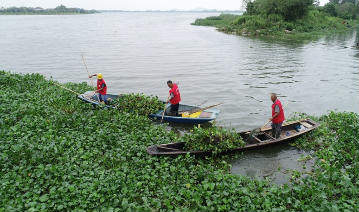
(174, 98)
(277, 116)
(101, 87)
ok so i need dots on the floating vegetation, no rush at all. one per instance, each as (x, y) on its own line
(215, 139)
(139, 104)
(59, 154)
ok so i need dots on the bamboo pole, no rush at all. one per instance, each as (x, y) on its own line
(83, 60)
(72, 91)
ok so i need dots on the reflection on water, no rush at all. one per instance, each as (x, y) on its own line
(275, 163)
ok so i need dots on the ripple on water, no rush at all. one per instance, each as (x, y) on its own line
(273, 162)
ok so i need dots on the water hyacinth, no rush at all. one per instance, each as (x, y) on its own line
(139, 104)
(215, 139)
(60, 154)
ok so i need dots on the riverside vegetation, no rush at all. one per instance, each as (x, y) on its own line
(57, 153)
(59, 10)
(286, 19)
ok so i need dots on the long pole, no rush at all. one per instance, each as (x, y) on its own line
(72, 91)
(83, 60)
(68, 89)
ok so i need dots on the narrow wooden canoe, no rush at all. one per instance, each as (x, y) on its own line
(206, 116)
(289, 132)
(92, 98)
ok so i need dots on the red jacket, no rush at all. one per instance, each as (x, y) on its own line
(99, 86)
(280, 118)
(176, 94)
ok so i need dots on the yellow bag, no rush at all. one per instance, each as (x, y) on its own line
(193, 115)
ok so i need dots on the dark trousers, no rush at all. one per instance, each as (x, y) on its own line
(276, 130)
(173, 110)
(102, 98)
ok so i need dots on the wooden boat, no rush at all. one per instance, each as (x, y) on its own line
(92, 98)
(290, 131)
(206, 116)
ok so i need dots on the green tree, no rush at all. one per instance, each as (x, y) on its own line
(348, 1)
(289, 9)
(346, 10)
(294, 9)
(329, 8)
(61, 8)
(251, 8)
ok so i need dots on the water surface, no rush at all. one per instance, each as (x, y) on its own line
(275, 163)
(140, 51)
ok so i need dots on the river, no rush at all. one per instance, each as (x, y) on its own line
(140, 51)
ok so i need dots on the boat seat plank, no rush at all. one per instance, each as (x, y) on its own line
(257, 139)
(167, 148)
(270, 136)
(305, 124)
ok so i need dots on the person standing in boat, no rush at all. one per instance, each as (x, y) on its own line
(174, 98)
(101, 87)
(277, 116)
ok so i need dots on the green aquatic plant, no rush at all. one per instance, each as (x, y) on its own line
(214, 139)
(138, 103)
(59, 154)
(335, 141)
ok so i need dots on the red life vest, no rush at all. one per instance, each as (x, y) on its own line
(176, 95)
(280, 118)
(99, 86)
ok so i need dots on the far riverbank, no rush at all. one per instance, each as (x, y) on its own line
(313, 25)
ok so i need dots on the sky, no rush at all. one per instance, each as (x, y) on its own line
(132, 4)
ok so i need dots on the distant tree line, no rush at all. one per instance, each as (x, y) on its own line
(38, 10)
(347, 9)
(291, 10)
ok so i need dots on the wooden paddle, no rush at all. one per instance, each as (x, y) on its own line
(261, 129)
(202, 109)
(258, 130)
(205, 101)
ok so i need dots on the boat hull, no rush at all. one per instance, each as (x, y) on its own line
(92, 98)
(263, 139)
(206, 116)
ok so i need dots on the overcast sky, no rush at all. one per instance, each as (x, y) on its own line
(132, 4)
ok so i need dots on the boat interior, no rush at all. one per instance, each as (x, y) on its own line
(289, 129)
(188, 108)
(90, 95)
